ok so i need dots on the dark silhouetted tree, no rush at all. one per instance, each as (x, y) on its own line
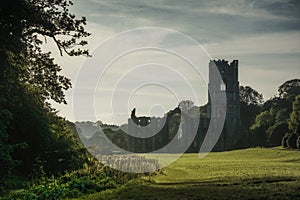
(294, 121)
(292, 141)
(259, 129)
(276, 133)
(29, 77)
(289, 88)
(250, 96)
(250, 105)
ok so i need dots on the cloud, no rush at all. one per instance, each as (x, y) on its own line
(206, 21)
(264, 35)
(269, 43)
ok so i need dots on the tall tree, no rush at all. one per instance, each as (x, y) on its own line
(25, 26)
(29, 76)
(250, 105)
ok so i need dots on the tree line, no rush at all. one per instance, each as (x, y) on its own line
(273, 122)
(268, 123)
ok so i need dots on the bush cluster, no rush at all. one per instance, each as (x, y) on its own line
(71, 185)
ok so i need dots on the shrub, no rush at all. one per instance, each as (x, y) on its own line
(77, 183)
(291, 141)
(71, 185)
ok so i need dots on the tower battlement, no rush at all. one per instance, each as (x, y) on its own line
(228, 71)
(220, 62)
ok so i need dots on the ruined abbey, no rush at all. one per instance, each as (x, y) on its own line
(191, 130)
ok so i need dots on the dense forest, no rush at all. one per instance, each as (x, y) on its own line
(43, 148)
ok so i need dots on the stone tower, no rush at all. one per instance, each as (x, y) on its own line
(230, 84)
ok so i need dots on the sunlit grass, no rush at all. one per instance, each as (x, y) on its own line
(242, 174)
(234, 166)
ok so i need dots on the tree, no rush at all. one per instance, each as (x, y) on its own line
(29, 77)
(283, 102)
(6, 162)
(23, 24)
(250, 96)
(259, 129)
(288, 88)
(263, 119)
(250, 105)
(120, 139)
(279, 109)
(282, 115)
(294, 121)
(277, 132)
(292, 141)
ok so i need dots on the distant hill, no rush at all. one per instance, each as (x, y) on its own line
(92, 135)
(88, 129)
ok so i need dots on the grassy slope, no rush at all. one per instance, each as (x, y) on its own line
(242, 174)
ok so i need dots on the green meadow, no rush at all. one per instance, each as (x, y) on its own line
(256, 173)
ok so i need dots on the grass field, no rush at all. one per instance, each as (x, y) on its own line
(242, 174)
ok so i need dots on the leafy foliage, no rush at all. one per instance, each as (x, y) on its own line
(6, 162)
(292, 141)
(29, 78)
(250, 106)
(294, 121)
(289, 88)
(23, 22)
(73, 184)
(250, 96)
(70, 185)
(277, 132)
(259, 128)
(276, 113)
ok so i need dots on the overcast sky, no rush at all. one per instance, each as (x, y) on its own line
(264, 35)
